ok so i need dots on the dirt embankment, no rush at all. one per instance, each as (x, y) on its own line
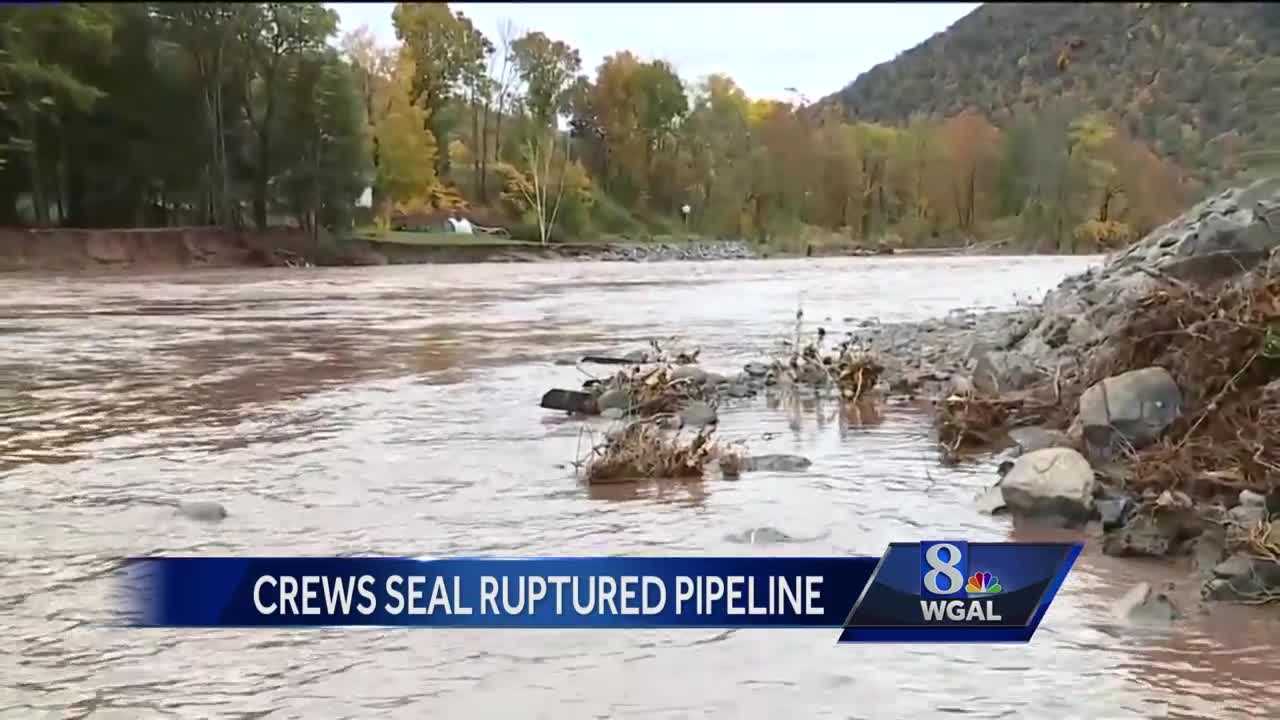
(165, 249)
(150, 249)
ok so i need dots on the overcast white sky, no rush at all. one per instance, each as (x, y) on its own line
(766, 47)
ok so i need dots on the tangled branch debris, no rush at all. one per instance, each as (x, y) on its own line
(642, 450)
(1222, 347)
(657, 390)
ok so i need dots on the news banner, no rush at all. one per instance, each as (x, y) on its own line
(943, 591)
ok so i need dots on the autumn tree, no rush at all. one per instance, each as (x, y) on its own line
(406, 153)
(445, 49)
(547, 68)
(716, 138)
(971, 144)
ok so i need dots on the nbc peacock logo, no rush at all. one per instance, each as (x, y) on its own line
(982, 583)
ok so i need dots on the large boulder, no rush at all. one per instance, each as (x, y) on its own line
(1133, 407)
(1051, 484)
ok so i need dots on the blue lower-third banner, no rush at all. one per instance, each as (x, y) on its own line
(944, 591)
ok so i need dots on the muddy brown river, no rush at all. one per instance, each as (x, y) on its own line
(395, 411)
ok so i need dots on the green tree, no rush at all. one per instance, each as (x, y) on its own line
(327, 155)
(37, 77)
(547, 67)
(208, 34)
(271, 34)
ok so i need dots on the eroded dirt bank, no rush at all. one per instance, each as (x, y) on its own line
(169, 249)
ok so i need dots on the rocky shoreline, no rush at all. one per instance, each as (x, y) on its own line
(1139, 402)
(1141, 398)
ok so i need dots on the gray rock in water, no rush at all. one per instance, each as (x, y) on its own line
(714, 379)
(201, 510)
(738, 390)
(698, 414)
(689, 372)
(1145, 606)
(613, 413)
(1154, 533)
(778, 463)
(1114, 511)
(1133, 408)
(760, 536)
(637, 356)
(1055, 483)
(1030, 439)
(613, 399)
(756, 369)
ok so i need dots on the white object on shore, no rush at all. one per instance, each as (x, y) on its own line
(366, 198)
(460, 225)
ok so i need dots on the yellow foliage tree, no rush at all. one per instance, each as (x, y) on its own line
(407, 152)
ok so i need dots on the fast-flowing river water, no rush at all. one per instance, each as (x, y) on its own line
(395, 411)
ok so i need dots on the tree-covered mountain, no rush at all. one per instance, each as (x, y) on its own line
(1199, 82)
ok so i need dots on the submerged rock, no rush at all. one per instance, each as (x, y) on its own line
(778, 463)
(1143, 605)
(1055, 483)
(760, 536)
(203, 511)
(698, 414)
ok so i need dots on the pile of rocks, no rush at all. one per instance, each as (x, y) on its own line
(1131, 426)
(654, 252)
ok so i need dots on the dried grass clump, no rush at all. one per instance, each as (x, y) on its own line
(643, 451)
(657, 391)
(851, 369)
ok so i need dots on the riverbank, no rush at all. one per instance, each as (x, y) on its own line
(1141, 398)
(185, 248)
(1139, 403)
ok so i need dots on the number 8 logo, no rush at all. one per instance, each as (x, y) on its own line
(943, 569)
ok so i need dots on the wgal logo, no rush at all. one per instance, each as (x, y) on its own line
(948, 591)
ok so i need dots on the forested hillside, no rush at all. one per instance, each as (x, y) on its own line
(258, 114)
(1199, 82)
